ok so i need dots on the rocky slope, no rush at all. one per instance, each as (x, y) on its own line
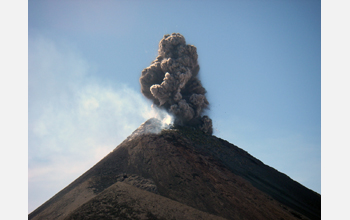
(183, 169)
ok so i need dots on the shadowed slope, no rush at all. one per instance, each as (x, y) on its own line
(197, 170)
(128, 202)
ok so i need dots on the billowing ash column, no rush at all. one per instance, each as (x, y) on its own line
(171, 82)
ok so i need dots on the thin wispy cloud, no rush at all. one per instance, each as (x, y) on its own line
(74, 119)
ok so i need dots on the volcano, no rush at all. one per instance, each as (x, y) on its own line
(180, 173)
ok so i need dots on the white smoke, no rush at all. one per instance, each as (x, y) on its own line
(74, 119)
(166, 119)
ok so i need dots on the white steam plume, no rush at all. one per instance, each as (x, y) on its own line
(74, 120)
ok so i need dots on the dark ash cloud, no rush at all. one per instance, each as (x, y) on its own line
(171, 82)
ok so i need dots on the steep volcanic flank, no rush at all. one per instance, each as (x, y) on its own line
(180, 173)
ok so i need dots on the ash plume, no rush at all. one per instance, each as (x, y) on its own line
(171, 82)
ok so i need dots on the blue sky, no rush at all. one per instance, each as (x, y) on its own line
(260, 64)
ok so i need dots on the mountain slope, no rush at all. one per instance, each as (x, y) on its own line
(128, 202)
(197, 170)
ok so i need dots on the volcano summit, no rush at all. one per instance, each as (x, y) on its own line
(180, 173)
